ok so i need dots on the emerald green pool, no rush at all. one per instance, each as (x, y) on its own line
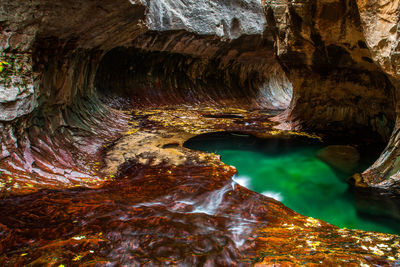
(291, 172)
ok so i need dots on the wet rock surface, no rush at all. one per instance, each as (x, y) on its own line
(179, 215)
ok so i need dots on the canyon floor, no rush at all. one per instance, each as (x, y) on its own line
(169, 205)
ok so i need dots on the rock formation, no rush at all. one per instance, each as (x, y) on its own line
(346, 47)
(339, 56)
(57, 49)
(70, 68)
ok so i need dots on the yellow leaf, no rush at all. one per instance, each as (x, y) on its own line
(77, 258)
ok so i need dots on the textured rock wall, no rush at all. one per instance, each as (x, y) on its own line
(181, 68)
(56, 39)
(380, 20)
(227, 18)
(337, 87)
(51, 123)
(342, 58)
(380, 24)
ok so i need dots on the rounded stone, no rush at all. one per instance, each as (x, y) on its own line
(342, 157)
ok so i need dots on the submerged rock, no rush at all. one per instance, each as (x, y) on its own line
(342, 157)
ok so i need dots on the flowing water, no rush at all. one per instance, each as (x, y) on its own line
(291, 171)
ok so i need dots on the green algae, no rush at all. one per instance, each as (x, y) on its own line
(16, 70)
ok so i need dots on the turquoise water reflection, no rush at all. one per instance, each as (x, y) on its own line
(292, 173)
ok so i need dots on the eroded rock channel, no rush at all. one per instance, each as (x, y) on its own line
(98, 99)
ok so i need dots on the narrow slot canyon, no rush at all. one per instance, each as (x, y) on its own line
(242, 73)
(209, 133)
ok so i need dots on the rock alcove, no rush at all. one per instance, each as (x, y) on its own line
(102, 96)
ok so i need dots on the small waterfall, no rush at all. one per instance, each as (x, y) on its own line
(211, 204)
